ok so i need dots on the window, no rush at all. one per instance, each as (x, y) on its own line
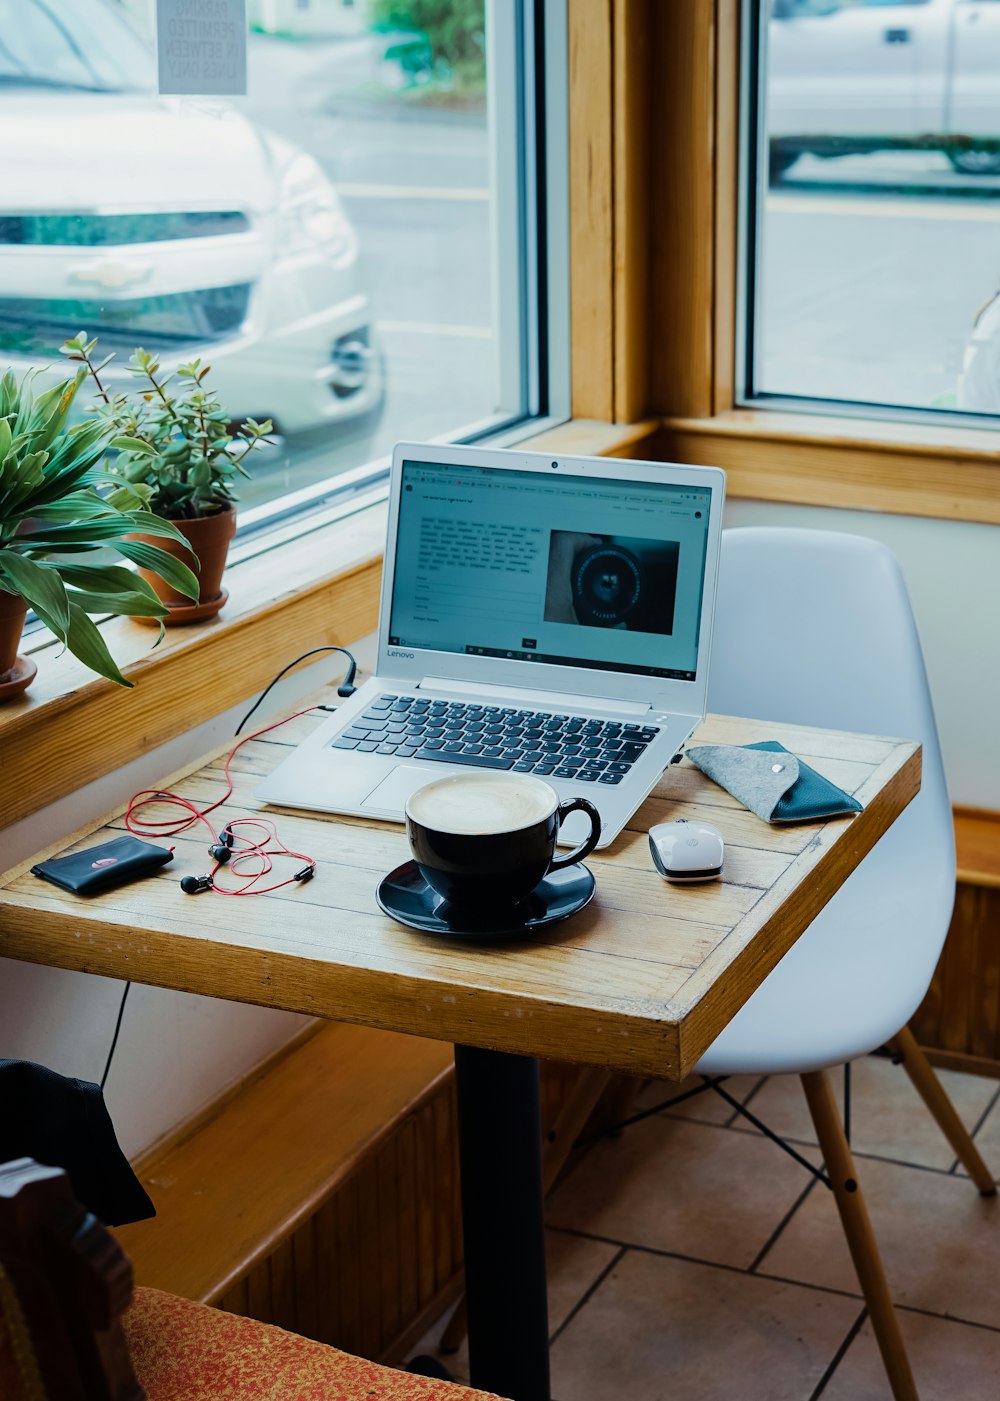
(871, 218)
(357, 247)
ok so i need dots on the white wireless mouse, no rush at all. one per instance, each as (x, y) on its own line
(686, 851)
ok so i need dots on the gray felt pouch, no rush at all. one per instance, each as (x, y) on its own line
(771, 782)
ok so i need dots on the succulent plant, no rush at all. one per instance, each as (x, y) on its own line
(173, 446)
(57, 506)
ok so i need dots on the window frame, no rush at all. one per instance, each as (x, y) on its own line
(752, 160)
(876, 463)
(528, 176)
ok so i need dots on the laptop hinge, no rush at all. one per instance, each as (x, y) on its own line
(561, 700)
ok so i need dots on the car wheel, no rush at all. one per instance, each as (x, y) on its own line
(976, 162)
(779, 162)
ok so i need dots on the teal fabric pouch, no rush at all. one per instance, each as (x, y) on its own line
(771, 782)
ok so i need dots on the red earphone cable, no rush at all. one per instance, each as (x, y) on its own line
(263, 851)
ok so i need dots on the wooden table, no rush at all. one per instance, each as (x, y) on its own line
(641, 982)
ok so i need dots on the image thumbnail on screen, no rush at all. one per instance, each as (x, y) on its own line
(611, 581)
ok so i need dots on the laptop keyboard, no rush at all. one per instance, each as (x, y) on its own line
(495, 737)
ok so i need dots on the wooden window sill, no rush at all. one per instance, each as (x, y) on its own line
(73, 727)
(906, 469)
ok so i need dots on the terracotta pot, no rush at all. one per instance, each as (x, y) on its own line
(208, 538)
(16, 673)
(12, 613)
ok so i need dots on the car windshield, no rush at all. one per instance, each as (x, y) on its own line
(71, 44)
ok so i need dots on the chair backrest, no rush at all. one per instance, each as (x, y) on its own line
(64, 1284)
(815, 628)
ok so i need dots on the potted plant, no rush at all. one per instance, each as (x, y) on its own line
(175, 452)
(56, 505)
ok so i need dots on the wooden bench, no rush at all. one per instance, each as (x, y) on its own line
(320, 1195)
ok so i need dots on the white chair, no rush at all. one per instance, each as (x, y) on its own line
(815, 628)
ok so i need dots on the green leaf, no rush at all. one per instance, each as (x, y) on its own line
(84, 640)
(130, 605)
(77, 506)
(40, 584)
(105, 578)
(134, 445)
(101, 530)
(171, 570)
(149, 524)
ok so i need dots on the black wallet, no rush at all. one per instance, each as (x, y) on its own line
(105, 866)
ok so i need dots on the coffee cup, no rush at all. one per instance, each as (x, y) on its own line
(483, 840)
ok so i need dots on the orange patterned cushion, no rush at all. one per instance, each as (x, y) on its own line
(20, 1379)
(188, 1352)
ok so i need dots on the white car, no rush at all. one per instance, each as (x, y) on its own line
(847, 77)
(175, 224)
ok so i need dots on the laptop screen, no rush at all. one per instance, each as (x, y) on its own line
(570, 570)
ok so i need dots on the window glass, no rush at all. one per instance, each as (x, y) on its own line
(334, 244)
(873, 204)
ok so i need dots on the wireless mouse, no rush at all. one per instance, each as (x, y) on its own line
(686, 851)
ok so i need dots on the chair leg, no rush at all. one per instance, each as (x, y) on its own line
(858, 1230)
(933, 1094)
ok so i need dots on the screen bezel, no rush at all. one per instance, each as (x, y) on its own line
(660, 693)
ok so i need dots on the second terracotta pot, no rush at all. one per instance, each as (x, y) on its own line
(208, 538)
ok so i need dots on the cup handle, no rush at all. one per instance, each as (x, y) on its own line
(559, 863)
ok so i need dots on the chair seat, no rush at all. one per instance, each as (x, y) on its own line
(184, 1351)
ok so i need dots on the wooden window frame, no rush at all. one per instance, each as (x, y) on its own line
(950, 472)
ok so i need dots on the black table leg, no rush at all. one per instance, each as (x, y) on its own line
(500, 1151)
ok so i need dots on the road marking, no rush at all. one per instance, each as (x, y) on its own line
(447, 192)
(883, 209)
(436, 328)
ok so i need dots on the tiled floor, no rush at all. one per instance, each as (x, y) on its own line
(691, 1260)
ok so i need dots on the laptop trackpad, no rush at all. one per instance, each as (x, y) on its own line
(392, 793)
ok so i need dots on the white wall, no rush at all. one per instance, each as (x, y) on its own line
(952, 570)
(176, 1052)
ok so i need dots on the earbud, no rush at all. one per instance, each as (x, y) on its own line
(220, 853)
(194, 885)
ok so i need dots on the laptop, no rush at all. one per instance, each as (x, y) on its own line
(545, 615)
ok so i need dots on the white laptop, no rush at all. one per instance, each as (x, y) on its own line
(546, 615)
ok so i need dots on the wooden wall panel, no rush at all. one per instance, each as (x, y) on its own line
(958, 1022)
(382, 1257)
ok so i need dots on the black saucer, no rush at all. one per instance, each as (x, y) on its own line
(405, 896)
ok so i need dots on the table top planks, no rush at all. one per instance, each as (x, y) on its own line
(642, 981)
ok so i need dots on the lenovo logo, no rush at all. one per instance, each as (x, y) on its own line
(407, 656)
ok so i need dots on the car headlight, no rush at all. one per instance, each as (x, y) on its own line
(311, 216)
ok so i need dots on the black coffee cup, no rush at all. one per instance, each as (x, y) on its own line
(483, 840)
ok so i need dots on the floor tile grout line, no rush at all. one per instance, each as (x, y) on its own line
(588, 1294)
(978, 1125)
(773, 1237)
(948, 1318)
(707, 1264)
(764, 1275)
(839, 1355)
